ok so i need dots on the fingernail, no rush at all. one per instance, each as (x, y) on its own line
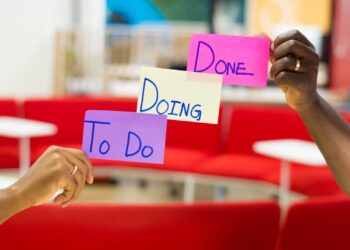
(91, 180)
(272, 47)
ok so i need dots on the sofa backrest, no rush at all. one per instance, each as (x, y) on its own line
(172, 227)
(68, 114)
(251, 123)
(195, 135)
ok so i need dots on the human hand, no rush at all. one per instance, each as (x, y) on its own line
(298, 83)
(53, 171)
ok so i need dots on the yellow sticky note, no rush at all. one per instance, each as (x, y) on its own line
(181, 95)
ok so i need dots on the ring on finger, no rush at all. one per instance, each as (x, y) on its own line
(75, 169)
(297, 65)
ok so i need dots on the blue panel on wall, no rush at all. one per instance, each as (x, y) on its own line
(132, 11)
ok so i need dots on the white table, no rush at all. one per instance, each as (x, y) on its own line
(6, 181)
(290, 150)
(24, 129)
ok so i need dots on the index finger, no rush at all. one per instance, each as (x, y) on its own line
(292, 35)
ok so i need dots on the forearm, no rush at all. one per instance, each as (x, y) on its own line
(332, 135)
(11, 202)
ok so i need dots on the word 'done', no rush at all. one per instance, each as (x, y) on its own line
(241, 60)
(180, 95)
(124, 136)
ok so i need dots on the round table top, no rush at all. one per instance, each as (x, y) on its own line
(292, 150)
(6, 181)
(20, 128)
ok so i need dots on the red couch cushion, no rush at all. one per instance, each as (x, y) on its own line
(176, 158)
(194, 227)
(68, 114)
(251, 123)
(187, 142)
(320, 224)
(193, 135)
(8, 147)
(310, 181)
(239, 166)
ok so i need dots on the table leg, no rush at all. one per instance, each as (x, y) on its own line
(284, 183)
(189, 191)
(24, 155)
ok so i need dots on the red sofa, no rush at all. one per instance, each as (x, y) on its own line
(190, 147)
(195, 227)
(320, 224)
(251, 123)
(9, 148)
(190, 141)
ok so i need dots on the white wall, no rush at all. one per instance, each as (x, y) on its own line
(27, 30)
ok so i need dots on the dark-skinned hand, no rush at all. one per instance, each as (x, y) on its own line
(299, 86)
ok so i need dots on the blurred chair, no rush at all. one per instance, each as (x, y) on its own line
(320, 224)
(251, 123)
(172, 227)
(68, 114)
(187, 143)
(9, 148)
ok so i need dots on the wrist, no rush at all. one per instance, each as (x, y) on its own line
(17, 197)
(11, 202)
(313, 101)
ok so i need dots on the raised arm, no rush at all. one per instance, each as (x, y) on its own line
(58, 168)
(328, 129)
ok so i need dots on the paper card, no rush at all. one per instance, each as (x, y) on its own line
(241, 60)
(124, 136)
(181, 95)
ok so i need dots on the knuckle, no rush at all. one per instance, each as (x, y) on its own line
(54, 148)
(277, 39)
(296, 33)
(285, 61)
(317, 58)
(56, 157)
(273, 69)
(59, 176)
(281, 77)
(59, 167)
(50, 149)
(77, 153)
(82, 155)
(292, 45)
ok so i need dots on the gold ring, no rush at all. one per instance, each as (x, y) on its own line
(75, 169)
(297, 65)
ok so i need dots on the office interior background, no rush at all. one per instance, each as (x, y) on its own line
(254, 181)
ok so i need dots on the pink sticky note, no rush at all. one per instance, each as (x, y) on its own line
(124, 136)
(241, 60)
